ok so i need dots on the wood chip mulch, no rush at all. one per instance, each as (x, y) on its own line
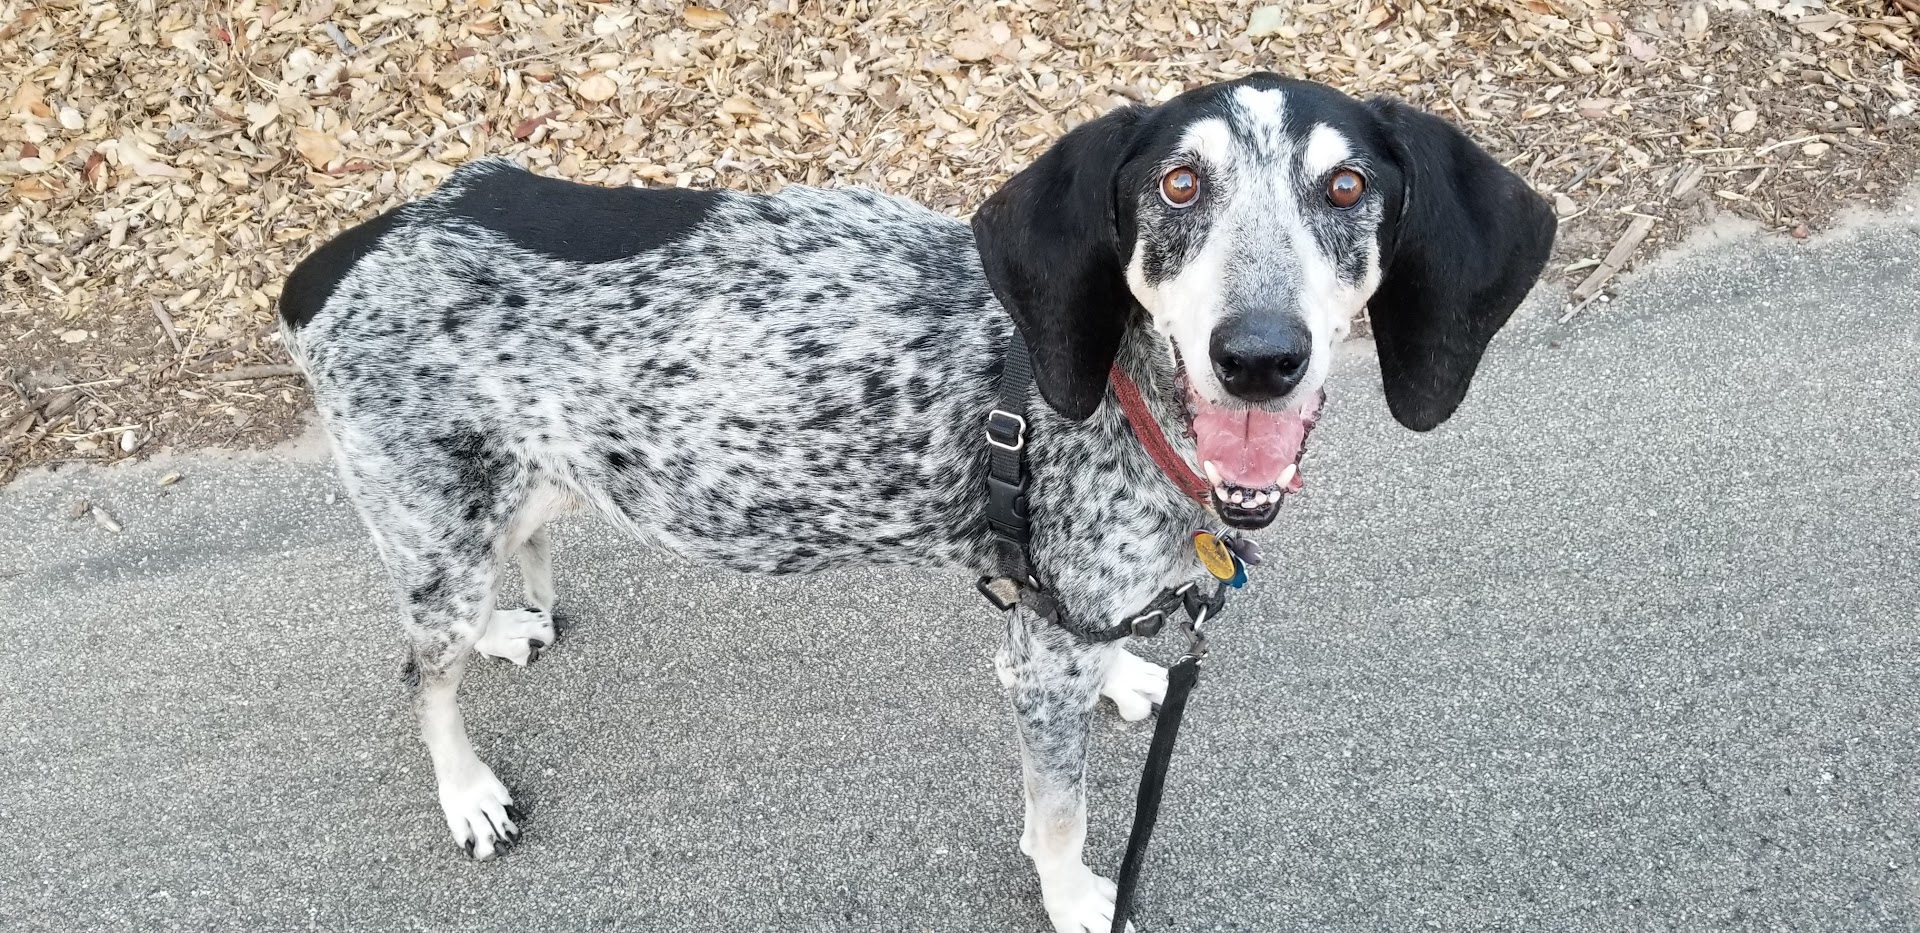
(164, 163)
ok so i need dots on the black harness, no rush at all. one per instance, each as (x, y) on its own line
(1008, 516)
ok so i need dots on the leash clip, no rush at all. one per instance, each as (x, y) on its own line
(1199, 610)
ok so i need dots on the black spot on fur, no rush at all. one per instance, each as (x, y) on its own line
(574, 222)
(314, 280)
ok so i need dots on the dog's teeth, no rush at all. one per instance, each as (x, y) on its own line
(1286, 475)
(1221, 491)
(1237, 497)
(1259, 498)
(1213, 474)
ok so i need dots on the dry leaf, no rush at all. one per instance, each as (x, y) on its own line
(1744, 121)
(525, 128)
(105, 520)
(969, 50)
(1697, 23)
(700, 17)
(1265, 21)
(30, 101)
(317, 147)
(597, 87)
(1640, 47)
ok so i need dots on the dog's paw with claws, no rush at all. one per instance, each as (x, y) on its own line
(517, 635)
(480, 813)
(1079, 901)
(1134, 684)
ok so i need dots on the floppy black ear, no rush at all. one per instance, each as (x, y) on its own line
(1051, 246)
(1464, 246)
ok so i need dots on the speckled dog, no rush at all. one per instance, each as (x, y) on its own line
(779, 384)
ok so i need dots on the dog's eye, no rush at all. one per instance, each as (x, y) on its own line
(1180, 187)
(1345, 188)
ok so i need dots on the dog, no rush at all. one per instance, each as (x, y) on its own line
(789, 382)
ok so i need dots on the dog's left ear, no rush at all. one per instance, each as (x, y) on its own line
(1050, 243)
(1460, 249)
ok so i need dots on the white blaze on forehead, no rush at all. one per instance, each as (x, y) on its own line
(1326, 148)
(1262, 110)
(1208, 140)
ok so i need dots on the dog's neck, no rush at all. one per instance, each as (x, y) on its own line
(1147, 360)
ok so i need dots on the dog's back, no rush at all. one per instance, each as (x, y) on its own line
(765, 381)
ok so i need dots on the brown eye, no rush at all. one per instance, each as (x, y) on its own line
(1180, 187)
(1345, 188)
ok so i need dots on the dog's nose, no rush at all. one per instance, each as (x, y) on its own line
(1261, 357)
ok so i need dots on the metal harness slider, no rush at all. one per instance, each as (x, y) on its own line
(1006, 430)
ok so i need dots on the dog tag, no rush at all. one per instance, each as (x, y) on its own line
(1244, 548)
(1239, 573)
(1214, 555)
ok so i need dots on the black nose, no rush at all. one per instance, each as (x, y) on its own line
(1261, 357)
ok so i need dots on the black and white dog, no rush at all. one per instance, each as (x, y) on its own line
(779, 384)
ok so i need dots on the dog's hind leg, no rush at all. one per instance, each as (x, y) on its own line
(536, 569)
(520, 635)
(1056, 680)
(440, 526)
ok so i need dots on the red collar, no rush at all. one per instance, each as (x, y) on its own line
(1147, 429)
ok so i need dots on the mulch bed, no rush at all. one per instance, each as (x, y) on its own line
(166, 163)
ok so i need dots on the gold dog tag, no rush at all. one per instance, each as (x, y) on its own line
(1214, 555)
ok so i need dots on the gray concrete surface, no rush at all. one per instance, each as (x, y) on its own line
(1629, 645)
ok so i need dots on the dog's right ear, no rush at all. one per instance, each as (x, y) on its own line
(1050, 243)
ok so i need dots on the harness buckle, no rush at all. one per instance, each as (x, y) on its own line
(1001, 592)
(1007, 508)
(1006, 430)
(1147, 624)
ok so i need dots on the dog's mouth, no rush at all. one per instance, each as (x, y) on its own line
(1251, 456)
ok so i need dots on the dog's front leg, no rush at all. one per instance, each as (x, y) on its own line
(1056, 681)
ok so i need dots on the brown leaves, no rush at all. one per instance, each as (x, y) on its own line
(29, 100)
(596, 88)
(319, 148)
(161, 173)
(700, 17)
(525, 128)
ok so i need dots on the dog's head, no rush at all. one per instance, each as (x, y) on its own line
(1251, 220)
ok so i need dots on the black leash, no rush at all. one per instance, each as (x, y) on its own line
(1181, 678)
(1008, 517)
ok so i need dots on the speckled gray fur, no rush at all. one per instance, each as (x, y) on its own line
(814, 398)
(785, 383)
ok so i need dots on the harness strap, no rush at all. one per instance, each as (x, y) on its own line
(1007, 510)
(1009, 514)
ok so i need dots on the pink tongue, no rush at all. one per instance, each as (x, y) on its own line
(1250, 447)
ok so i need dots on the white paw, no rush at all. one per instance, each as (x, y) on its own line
(517, 635)
(1134, 684)
(1003, 669)
(1078, 901)
(479, 812)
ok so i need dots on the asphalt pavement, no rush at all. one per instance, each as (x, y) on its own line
(1631, 644)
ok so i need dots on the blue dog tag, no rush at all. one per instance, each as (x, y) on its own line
(1239, 573)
